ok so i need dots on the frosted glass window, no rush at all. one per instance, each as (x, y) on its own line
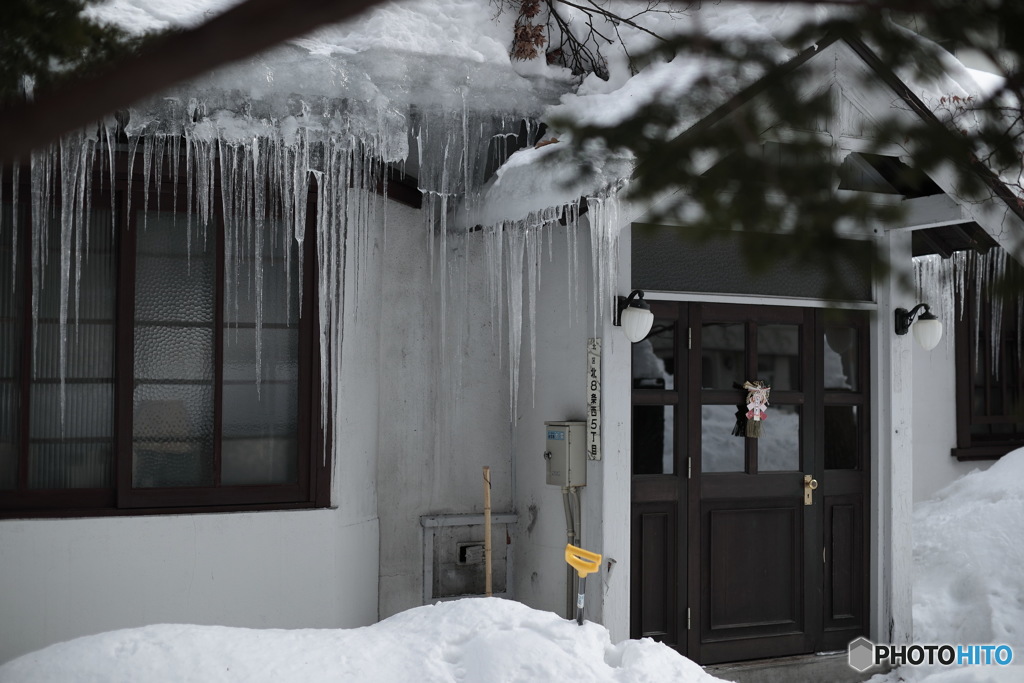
(259, 443)
(720, 450)
(71, 394)
(171, 362)
(173, 401)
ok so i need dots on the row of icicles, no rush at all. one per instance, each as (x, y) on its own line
(262, 182)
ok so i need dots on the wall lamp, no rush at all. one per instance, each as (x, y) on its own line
(633, 315)
(927, 330)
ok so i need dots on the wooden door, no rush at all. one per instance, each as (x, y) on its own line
(729, 561)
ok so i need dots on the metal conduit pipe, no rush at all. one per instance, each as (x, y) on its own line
(570, 534)
(573, 533)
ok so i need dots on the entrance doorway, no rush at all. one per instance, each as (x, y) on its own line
(742, 547)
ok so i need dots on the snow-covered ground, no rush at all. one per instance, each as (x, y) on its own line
(475, 640)
(969, 588)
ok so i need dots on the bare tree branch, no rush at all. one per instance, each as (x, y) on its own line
(242, 31)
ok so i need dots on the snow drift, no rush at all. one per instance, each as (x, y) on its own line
(475, 639)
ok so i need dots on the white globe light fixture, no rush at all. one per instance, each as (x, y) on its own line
(634, 316)
(927, 329)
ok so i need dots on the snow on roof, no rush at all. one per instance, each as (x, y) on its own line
(525, 186)
(418, 51)
(482, 640)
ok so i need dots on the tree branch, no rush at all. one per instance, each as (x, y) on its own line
(242, 31)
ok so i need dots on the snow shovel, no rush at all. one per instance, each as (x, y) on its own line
(584, 562)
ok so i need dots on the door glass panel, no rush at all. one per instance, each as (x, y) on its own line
(722, 348)
(778, 356)
(653, 442)
(654, 358)
(720, 450)
(778, 448)
(841, 358)
(840, 437)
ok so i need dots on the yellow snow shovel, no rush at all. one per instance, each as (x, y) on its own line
(584, 562)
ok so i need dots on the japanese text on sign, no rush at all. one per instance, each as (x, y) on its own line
(594, 398)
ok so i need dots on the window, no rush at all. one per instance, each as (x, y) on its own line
(990, 411)
(187, 380)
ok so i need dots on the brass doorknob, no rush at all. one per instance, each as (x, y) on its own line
(810, 483)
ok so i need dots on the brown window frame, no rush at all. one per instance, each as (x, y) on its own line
(312, 488)
(1002, 394)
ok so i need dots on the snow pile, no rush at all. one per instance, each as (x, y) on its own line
(968, 585)
(475, 639)
(968, 558)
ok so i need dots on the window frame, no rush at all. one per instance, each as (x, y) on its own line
(312, 486)
(971, 446)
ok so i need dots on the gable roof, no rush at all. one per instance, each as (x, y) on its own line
(1001, 216)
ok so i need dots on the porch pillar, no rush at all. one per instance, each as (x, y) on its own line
(616, 464)
(892, 474)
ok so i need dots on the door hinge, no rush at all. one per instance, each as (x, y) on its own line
(687, 618)
(689, 337)
(689, 468)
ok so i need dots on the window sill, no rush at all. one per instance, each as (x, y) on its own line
(983, 452)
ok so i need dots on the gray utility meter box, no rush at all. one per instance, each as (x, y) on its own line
(566, 453)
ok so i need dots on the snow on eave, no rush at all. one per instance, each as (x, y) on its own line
(443, 54)
(533, 180)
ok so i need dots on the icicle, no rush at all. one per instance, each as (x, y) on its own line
(997, 267)
(147, 168)
(514, 288)
(158, 166)
(175, 164)
(133, 143)
(110, 133)
(259, 205)
(42, 163)
(70, 169)
(532, 289)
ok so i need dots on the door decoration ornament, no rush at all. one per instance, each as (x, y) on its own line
(757, 406)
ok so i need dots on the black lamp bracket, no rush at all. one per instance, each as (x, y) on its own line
(905, 318)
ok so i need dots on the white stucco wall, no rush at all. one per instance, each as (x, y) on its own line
(433, 440)
(66, 578)
(560, 394)
(63, 578)
(935, 420)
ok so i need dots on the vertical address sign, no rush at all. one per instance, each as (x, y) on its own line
(594, 398)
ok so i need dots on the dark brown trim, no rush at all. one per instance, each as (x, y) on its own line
(974, 453)
(24, 313)
(313, 485)
(124, 382)
(218, 337)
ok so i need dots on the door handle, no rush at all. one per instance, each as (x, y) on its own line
(810, 483)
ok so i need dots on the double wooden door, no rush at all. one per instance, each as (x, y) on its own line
(743, 547)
